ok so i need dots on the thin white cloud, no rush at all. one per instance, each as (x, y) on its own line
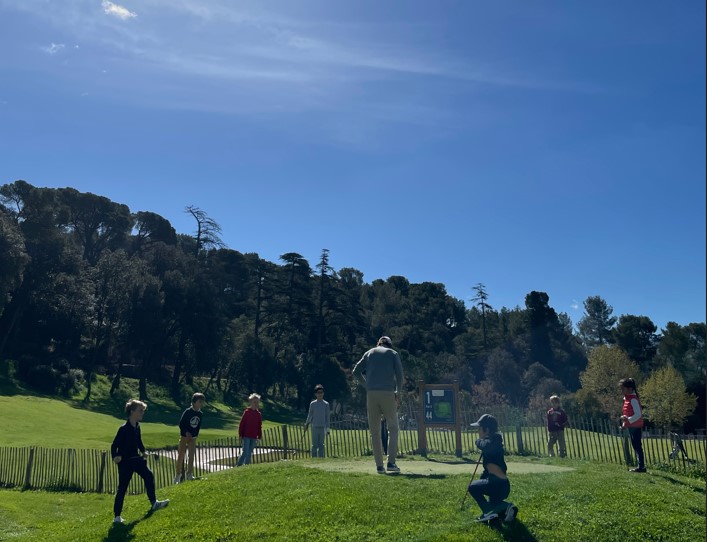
(574, 305)
(54, 48)
(109, 8)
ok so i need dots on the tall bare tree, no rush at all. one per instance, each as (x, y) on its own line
(208, 231)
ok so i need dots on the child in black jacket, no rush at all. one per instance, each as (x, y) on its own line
(128, 452)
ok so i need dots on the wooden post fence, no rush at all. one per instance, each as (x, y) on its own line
(101, 472)
(519, 440)
(28, 471)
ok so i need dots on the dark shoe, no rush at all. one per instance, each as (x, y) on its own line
(638, 470)
(392, 467)
(380, 470)
(511, 513)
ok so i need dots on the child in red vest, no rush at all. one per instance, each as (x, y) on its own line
(556, 422)
(250, 429)
(632, 418)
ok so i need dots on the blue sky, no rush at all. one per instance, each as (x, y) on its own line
(552, 146)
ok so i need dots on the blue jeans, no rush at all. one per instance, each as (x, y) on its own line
(318, 435)
(496, 488)
(248, 447)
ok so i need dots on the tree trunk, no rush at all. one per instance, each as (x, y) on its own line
(10, 328)
(115, 384)
(143, 388)
(178, 364)
(89, 378)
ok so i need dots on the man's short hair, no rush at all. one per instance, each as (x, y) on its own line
(385, 341)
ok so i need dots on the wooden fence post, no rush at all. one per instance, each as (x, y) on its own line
(519, 438)
(28, 471)
(99, 487)
(284, 441)
(421, 429)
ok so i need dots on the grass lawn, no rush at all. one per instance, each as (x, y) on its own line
(71, 423)
(344, 500)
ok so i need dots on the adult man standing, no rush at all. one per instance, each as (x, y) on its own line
(381, 371)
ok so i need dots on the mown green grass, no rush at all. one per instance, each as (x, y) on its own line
(288, 502)
(72, 423)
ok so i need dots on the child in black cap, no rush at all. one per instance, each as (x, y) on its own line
(493, 481)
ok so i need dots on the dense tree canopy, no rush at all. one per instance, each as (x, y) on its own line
(665, 398)
(87, 285)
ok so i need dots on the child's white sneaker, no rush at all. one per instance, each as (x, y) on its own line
(118, 519)
(159, 504)
(486, 517)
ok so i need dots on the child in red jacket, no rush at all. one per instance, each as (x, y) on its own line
(250, 429)
(632, 418)
(556, 422)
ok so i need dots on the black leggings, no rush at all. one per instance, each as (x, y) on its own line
(636, 434)
(496, 488)
(126, 468)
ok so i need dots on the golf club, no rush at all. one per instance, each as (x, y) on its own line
(461, 507)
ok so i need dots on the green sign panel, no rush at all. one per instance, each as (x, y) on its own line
(439, 407)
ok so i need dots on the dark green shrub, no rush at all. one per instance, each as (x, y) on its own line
(43, 378)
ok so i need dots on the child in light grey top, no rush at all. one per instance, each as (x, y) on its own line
(318, 417)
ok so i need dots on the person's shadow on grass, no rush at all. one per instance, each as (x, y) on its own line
(123, 532)
(514, 532)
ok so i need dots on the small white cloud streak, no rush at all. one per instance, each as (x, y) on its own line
(574, 305)
(109, 8)
(54, 48)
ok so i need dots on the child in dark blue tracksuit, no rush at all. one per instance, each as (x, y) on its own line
(493, 481)
(128, 452)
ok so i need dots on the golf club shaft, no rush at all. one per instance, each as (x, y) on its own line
(472, 479)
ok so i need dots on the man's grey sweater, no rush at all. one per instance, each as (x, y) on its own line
(383, 369)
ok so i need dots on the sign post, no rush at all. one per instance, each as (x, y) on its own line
(439, 407)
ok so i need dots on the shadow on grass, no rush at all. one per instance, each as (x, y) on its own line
(414, 475)
(696, 487)
(157, 411)
(457, 461)
(514, 532)
(279, 413)
(9, 387)
(121, 532)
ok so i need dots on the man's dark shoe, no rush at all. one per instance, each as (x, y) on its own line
(392, 467)
(638, 470)
(380, 470)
